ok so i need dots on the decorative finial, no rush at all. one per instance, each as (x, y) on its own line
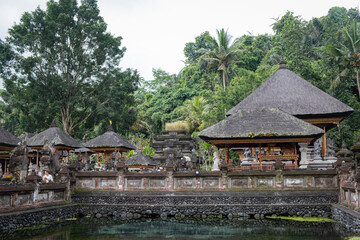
(84, 139)
(110, 129)
(282, 63)
(53, 124)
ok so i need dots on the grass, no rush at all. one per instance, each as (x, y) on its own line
(176, 126)
(352, 238)
(305, 219)
(71, 219)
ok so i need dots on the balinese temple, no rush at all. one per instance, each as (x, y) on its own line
(262, 128)
(138, 161)
(292, 95)
(108, 143)
(7, 143)
(55, 136)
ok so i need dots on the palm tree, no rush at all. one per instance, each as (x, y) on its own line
(224, 52)
(194, 111)
(350, 52)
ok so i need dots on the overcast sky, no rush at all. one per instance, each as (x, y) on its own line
(155, 31)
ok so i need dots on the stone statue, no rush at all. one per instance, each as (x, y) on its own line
(247, 153)
(19, 162)
(49, 160)
(216, 163)
(88, 165)
(330, 147)
(317, 148)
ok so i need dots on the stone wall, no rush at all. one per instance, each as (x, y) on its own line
(207, 198)
(349, 218)
(27, 195)
(218, 180)
(34, 217)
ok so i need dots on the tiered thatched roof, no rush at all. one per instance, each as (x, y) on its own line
(141, 159)
(7, 138)
(292, 94)
(260, 123)
(109, 139)
(54, 135)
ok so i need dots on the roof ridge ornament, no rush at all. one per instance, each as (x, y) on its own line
(282, 63)
(110, 128)
(53, 124)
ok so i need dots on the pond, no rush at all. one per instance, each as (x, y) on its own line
(184, 229)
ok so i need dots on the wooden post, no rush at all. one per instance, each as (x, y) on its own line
(98, 159)
(37, 157)
(227, 159)
(324, 145)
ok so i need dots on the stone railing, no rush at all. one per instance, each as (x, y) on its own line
(27, 195)
(217, 180)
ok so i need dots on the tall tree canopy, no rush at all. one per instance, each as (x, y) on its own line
(64, 65)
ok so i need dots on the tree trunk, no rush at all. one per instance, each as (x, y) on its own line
(358, 80)
(224, 80)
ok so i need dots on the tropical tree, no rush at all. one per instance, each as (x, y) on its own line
(349, 52)
(64, 64)
(223, 52)
(194, 111)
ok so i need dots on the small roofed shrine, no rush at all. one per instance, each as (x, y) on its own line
(274, 133)
(140, 162)
(292, 94)
(7, 143)
(108, 143)
(54, 137)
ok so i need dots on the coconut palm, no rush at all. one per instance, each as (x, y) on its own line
(194, 111)
(350, 53)
(224, 52)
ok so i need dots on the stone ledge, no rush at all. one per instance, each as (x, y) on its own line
(52, 186)
(97, 174)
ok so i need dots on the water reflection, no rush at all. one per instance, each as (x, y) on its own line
(181, 229)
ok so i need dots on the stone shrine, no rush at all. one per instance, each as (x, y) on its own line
(175, 147)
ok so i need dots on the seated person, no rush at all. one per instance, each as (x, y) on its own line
(47, 177)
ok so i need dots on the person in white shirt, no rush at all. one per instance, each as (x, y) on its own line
(47, 177)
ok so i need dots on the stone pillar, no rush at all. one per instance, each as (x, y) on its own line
(303, 155)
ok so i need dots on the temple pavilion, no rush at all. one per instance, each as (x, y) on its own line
(255, 121)
(7, 142)
(108, 143)
(55, 136)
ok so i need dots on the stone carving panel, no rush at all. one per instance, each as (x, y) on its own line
(185, 183)
(24, 199)
(324, 182)
(211, 183)
(59, 196)
(240, 182)
(294, 182)
(85, 183)
(134, 183)
(5, 201)
(265, 182)
(107, 183)
(157, 183)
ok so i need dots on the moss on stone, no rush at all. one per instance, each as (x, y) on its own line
(304, 219)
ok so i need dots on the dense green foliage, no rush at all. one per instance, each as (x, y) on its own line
(62, 64)
(48, 73)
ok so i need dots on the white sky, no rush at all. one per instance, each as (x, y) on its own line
(155, 31)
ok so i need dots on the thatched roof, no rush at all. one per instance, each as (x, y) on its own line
(260, 123)
(292, 94)
(140, 158)
(110, 139)
(7, 138)
(54, 135)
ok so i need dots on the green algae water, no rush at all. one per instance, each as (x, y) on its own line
(184, 229)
